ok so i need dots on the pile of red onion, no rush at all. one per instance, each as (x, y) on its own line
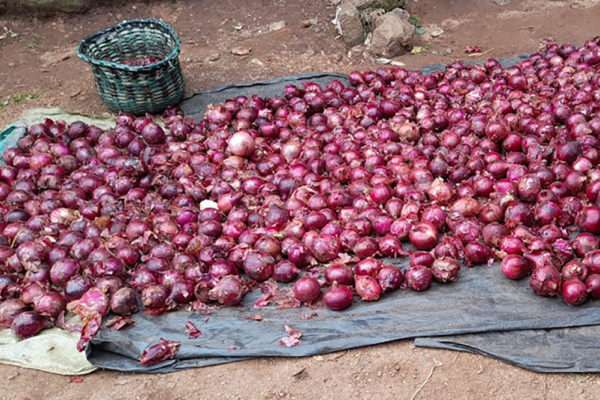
(461, 167)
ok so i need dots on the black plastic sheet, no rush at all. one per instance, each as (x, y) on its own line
(482, 312)
(480, 301)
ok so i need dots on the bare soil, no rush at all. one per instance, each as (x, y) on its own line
(39, 68)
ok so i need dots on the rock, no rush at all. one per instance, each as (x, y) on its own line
(49, 6)
(276, 26)
(387, 5)
(450, 24)
(434, 30)
(241, 51)
(392, 34)
(213, 57)
(307, 23)
(501, 2)
(349, 24)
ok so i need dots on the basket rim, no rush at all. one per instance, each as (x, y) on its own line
(124, 67)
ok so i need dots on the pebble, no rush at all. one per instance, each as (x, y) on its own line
(241, 51)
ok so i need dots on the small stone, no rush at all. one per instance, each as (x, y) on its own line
(337, 57)
(417, 50)
(501, 2)
(450, 24)
(213, 57)
(238, 26)
(383, 60)
(256, 61)
(392, 34)
(307, 23)
(349, 24)
(434, 30)
(241, 51)
(277, 26)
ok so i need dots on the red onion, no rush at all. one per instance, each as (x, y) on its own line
(390, 278)
(285, 271)
(589, 219)
(241, 144)
(227, 291)
(574, 269)
(9, 309)
(339, 273)
(338, 297)
(592, 261)
(445, 270)
(49, 304)
(515, 267)
(27, 324)
(124, 301)
(584, 243)
(592, 283)
(307, 289)
(423, 236)
(545, 281)
(367, 288)
(419, 278)
(258, 266)
(574, 291)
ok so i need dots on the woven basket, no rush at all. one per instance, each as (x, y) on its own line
(135, 89)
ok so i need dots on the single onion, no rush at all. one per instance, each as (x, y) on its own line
(307, 289)
(445, 269)
(419, 278)
(338, 297)
(27, 324)
(515, 267)
(390, 278)
(367, 288)
(545, 281)
(574, 292)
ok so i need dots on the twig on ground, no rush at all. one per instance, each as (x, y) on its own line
(422, 385)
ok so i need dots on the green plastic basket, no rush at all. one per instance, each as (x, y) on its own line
(135, 89)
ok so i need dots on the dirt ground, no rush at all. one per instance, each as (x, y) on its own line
(39, 68)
